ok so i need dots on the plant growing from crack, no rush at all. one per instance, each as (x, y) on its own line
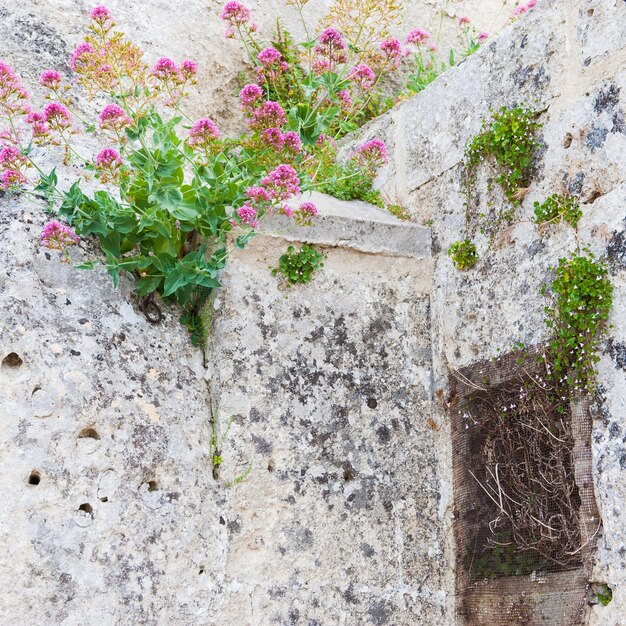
(463, 254)
(299, 267)
(556, 208)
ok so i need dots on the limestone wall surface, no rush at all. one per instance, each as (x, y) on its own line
(111, 512)
(567, 60)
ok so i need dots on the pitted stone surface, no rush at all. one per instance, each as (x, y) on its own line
(567, 60)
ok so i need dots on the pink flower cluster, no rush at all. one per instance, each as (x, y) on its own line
(272, 64)
(304, 213)
(268, 115)
(78, 61)
(165, 70)
(113, 117)
(392, 49)
(330, 50)
(108, 163)
(371, 154)
(248, 215)
(235, 13)
(279, 141)
(281, 183)
(100, 14)
(12, 94)
(12, 163)
(39, 126)
(108, 158)
(520, 9)
(204, 134)
(250, 96)
(417, 36)
(57, 116)
(464, 20)
(50, 79)
(363, 76)
(57, 236)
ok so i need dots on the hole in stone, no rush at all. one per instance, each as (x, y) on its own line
(12, 360)
(35, 390)
(201, 571)
(590, 12)
(88, 433)
(567, 142)
(104, 499)
(271, 465)
(34, 478)
(152, 485)
(86, 508)
(372, 403)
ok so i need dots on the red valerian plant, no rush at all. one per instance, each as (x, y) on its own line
(173, 195)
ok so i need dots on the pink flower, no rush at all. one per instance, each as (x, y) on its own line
(247, 214)
(77, 60)
(204, 134)
(308, 208)
(363, 76)
(229, 33)
(291, 142)
(113, 117)
(258, 195)
(286, 210)
(11, 157)
(12, 178)
(50, 79)
(464, 20)
(281, 183)
(272, 137)
(57, 236)
(108, 164)
(320, 66)
(269, 56)
(100, 14)
(373, 153)
(235, 13)
(269, 115)
(530, 4)
(331, 47)
(165, 69)
(344, 99)
(250, 95)
(483, 36)
(417, 36)
(57, 116)
(392, 49)
(38, 125)
(12, 93)
(188, 68)
(331, 37)
(108, 158)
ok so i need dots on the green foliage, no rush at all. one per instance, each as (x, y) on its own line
(349, 182)
(509, 139)
(170, 223)
(556, 208)
(604, 595)
(298, 267)
(463, 254)
(425, 70)
(584, 296)
(398, 211)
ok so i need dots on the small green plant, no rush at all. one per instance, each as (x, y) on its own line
(555, 208)
(578, 319)
(509, 139)
(398, 211)
(604, 595)
(463, 254)
(298, 267)
(215, 450)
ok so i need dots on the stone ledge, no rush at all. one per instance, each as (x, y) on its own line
(352, 224)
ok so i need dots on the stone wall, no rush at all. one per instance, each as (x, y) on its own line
(567, 60)
(324, 392)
